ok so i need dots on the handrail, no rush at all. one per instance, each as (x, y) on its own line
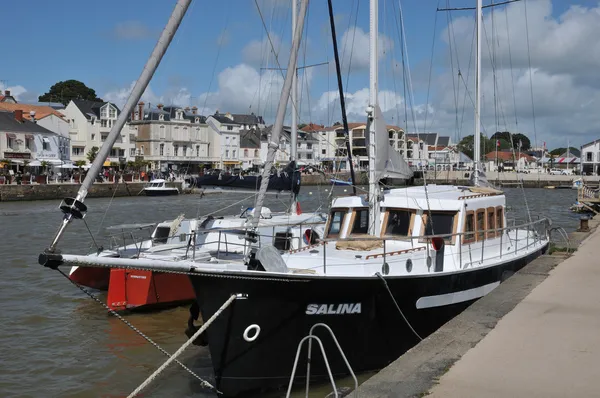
(410, 238)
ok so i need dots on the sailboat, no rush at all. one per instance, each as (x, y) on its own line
(220, 239)
(392, 267)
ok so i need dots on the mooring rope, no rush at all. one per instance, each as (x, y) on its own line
(183, 347)
(397, 306)
(203, 382)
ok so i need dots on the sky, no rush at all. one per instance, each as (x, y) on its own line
(540, 60)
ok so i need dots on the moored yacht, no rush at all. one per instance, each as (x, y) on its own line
(158, 187)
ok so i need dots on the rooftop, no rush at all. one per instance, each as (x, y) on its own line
(8, 123)
(41, 111)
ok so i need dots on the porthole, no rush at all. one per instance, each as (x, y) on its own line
(385, 269)
(409, 265)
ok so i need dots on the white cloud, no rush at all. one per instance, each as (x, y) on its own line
(565, 56)
(19, 92)
(119, 96)
(328, 110)
(243, 88)
(260, 52)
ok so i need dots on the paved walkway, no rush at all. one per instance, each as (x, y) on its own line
(547, 346)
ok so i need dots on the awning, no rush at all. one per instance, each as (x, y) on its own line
(106, 163)
(11, 135)
(231, 163)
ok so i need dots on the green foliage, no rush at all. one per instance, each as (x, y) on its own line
(559, 151)
(67, 90)
(80, 163)
(516, 138)
(92, 153)
(301, 126)
(466, 145)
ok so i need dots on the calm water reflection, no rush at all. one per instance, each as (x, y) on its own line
(57, 342)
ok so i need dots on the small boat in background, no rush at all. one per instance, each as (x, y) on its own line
(159, 187)
(335, 181)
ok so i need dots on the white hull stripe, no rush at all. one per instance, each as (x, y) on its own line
(456, 297)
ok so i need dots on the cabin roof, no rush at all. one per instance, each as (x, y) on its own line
(437, 197)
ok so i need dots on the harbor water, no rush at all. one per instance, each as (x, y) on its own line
(57, 342)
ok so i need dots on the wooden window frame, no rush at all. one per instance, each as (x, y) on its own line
(479, 238)
(411, 224)
(490, 210)
(465, 238)
(500, 211)
(424, 220)
(330, 220)
(352, 218)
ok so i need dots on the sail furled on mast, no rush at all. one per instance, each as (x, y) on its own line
(388, 161)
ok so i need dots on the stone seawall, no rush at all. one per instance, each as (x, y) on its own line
(59, 191)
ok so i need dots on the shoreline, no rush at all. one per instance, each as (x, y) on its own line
(33, 192)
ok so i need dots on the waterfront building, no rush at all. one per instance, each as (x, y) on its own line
(50, 119)
(172, 138)
(228, 128)
(590, 158)
(23, 141)
(90, 123)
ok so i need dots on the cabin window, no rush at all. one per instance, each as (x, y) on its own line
(336, 220)
(361, 222)
(499, 217)
(441, 223)
(399, 223)
(469, 228)
(480, 220)
(161, 235)
(491, 222)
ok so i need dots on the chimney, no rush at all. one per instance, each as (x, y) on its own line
(160, 106)
(7, 93)
(32, 115)
(19, 115)
(194, 109)
(132, 114)
(141, 110)
(187, 108)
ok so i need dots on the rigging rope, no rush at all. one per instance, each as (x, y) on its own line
(203, 383)
(183, 347)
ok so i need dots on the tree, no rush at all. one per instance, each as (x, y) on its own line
(516, 138)
(337, 124)
(67, 90)
(301, 126)
(466, 145)
(523, 139)
(92, 153)
(80, 164)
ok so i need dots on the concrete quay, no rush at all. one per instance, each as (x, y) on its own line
(536, 335)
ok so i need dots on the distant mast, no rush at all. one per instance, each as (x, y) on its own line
(477, 134)
(294, 132)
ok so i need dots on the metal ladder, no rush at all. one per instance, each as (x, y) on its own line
(310, 337)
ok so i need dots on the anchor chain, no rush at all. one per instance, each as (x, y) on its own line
(203, 383)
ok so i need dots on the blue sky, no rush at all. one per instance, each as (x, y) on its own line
(105, 44)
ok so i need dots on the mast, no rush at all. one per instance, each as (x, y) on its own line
(341, 91)
(374, 224)
(75, 207)
(294, 132)
(477, 133)
(294, 136)
(281, 107)
(568, 154)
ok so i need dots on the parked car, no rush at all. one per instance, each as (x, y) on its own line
(561, 172)
(555, 172)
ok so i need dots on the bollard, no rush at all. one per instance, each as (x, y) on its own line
(584, 225)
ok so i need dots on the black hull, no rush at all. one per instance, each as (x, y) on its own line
(370, 339)
(169, 192)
